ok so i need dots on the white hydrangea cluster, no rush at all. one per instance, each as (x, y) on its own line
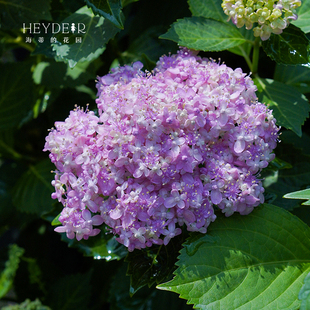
(269, 16)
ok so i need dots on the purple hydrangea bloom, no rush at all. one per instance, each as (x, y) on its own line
(165, 149)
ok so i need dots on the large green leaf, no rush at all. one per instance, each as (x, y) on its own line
(297, 76)
(19, 13)
(258, 261)
(290, 47)
(303, 194)
(16, 93)
(98, 31)
(209, 9)
(110, 9)
(303, 21)
(244, 49)
(290, 107)
(204, 34)
(32, 193)
(11, 266)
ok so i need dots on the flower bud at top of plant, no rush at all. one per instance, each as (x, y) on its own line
(271, 16)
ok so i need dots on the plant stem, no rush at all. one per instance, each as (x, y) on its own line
(246, 57)
(255, 56)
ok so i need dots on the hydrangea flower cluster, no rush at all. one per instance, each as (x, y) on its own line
(165, 148)
(271, 16)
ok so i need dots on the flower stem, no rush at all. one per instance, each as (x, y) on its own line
(255, 56)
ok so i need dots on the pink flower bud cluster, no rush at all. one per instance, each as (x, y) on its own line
(165, 149)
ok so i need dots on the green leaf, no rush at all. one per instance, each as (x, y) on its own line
(304, 295)
(297, 76)
(32, 193)
(58, 74)
(16, 93)
(303, 21)
(304, 194)
(290, 107)
(56, 221)
(17, 14)
(287, 180)
(258, 261)
(149, 45)
(244, 49)
(102, 246)
(204, 34)
(126, 2)
(110, 9)
(291, 47)
(278, 164)
(71, 292)
(11, 265)
(144, 299)
(152, 265)
(302, 144)
(208, 9)
(98, 31)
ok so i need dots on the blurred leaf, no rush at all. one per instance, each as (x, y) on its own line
(208, 9)
(44, 48)
(204, 34)
(16, 93)
(15, 13)
(149, 45)
(28, 305)
(303, 12)
(71, 292)
(58, 74)
(35, 273)
(290, 47)
(304, 295)
(110, 9)
(301, 143)
(304, 194)
(11, 265)
(278, 164)
(297, 76)
(7, 144)
(267, 250)
(290, 107)
(102, 246)
(98, 31)
(288, 180)
(152, 265)
(126, 2)
(32, 193)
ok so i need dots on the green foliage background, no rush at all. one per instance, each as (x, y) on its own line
(259, 261)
